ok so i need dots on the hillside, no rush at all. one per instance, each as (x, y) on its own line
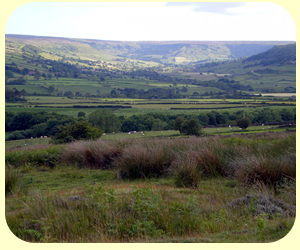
(160, 52)
(279, 55)
(267, 72)
(168, 70)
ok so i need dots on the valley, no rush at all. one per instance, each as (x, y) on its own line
(179, 141)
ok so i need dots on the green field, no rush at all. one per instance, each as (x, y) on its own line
(233, 130)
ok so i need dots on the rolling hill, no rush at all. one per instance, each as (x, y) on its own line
(159, 52)
(126, 69)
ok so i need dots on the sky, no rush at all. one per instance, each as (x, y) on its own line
(155, 21)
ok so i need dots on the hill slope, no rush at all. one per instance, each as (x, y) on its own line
(146, 69)
(160, 52)
(277, 55)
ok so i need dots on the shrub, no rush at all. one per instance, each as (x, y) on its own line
(79, 130)
(191, 127)
(16, 135)
(265, 204)
(39, 156)
(243, 123)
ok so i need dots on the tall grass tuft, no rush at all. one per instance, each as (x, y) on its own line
(144, 161)
(186, 171)
(91, 154)
(265, 169)
(12, 179)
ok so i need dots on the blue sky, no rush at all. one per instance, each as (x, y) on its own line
(154, 21)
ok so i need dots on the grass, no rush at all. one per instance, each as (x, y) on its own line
(160, 190)
(180, 190)
(148, 211)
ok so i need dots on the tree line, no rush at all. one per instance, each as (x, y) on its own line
(28, 124)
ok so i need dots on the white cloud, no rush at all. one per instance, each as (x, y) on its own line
(154, 21)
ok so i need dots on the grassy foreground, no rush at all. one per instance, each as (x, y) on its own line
(233, 189)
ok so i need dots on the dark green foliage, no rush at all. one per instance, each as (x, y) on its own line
(13, 95)
(41, 156)
(78, 130)
(191, 127)
(9, 74)
(16, 135)
(81, 114)
(178, 123)
(105, 120)
(30, 124)
(243, 123)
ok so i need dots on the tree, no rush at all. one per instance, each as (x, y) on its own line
(191, 127)
(37, 75)
(39, 129)
(113, 93)
(9, 74)
(178, 122)
(78, 130)
(81, 114)
(158, 125)
(243, 123)
(105, 120)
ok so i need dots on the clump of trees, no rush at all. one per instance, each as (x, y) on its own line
(188, 127)
(105, 120)
(78, 130)
(13, 95)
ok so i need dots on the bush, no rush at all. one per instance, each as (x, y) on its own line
(265, 204)
(191, 127)
(243, 123)
(79, 130)
(49, 156)
(16, 135)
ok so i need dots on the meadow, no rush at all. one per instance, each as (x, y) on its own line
(210, 189)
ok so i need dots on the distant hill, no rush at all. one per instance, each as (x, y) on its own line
(158, 52)
(279, 54)
(147, 69)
